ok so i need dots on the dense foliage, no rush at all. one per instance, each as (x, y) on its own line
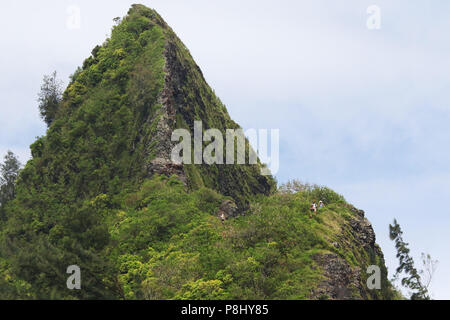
(162, 242)
(166, 243)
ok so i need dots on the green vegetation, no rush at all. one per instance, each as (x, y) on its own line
(162, 242)
(265, 255)
(166, 243)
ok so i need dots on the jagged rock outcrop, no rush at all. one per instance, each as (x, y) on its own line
(228, 209)
(342, 280)
(363, 232)
(167, 167)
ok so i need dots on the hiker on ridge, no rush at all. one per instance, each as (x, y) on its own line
(313, 209)
(321, 205)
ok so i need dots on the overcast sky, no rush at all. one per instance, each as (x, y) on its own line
(364, 111)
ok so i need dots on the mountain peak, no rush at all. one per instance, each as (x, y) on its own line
(164, 89)
(102, 192)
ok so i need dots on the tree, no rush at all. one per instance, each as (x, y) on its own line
(50, 98)
(412, 279)
(9, 171)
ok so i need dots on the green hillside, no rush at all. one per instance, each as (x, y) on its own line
(101, 192)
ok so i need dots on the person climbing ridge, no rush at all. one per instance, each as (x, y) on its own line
(321, 205)
(313, 209)
(222, 217)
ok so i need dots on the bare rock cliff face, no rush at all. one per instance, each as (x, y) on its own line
(186, 97)
(160, 144)
(342, 280)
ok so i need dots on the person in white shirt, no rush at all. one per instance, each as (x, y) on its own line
(321, 205)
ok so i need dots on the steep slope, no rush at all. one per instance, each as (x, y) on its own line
(174, 248)
(97, 194)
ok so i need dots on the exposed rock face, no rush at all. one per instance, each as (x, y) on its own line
(186, 97)
(363, 232)
(228, 209)
(167, 167)
(161, 143)
(342, 280)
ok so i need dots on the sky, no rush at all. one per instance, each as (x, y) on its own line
(360, 109)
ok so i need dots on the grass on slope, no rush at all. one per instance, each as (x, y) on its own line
(168, 244)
